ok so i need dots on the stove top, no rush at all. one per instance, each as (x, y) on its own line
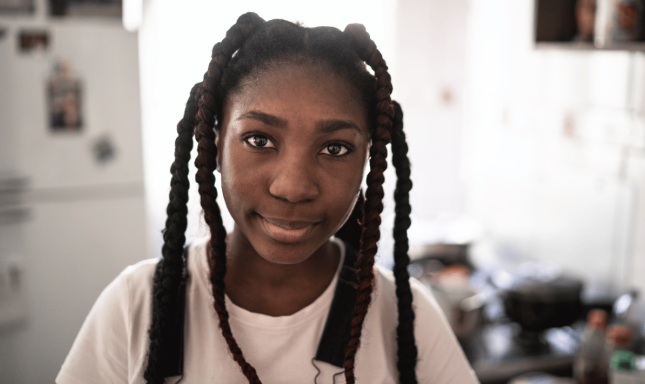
(499, 352)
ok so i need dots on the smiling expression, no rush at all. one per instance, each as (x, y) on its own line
(292, 150)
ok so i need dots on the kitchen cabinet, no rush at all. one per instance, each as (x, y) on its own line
(590, 25)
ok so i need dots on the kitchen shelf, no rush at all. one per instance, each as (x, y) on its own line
(577, 46)
(556, 27)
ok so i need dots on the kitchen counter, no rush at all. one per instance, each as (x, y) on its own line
(499, 352)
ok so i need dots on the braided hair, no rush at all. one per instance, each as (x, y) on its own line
(252, 46)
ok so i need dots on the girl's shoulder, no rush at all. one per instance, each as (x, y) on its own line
(113, 338)
(112, 343)
(138, 278)
(139, 274)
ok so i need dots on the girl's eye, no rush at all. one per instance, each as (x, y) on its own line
(259, 141)
(335, 149)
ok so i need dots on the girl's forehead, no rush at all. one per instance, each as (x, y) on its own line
(292, 90)
(288, 79)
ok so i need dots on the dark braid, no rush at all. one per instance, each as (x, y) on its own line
(167, 282)
(407, 351)
(206, 164)
(373, 207)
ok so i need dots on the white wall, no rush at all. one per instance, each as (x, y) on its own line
(553, 149)
(430, 84)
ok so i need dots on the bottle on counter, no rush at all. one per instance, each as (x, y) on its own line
(591, 362)
(621, 360)
(619, 337)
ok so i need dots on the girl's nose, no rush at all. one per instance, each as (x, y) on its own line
(294, 181)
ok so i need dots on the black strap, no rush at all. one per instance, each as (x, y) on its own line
(335, 337)
(173, 354)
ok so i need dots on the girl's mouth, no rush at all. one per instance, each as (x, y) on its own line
(286, 231)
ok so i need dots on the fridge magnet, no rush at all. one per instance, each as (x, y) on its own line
(33, 41)
(14, 7)
(103, 149)
(86, 8)
(64, 93)
(3, 33)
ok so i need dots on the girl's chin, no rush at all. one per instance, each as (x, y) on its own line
(287, 253)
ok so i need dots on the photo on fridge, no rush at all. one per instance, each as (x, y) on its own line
(64, 99)
(33, 41)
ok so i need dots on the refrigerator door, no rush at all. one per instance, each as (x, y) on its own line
(92, 70)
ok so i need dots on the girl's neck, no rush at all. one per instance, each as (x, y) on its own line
(260, 286)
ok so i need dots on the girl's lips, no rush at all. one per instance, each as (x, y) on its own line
(286, 231)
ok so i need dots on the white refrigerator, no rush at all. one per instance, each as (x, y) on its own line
(70, 138)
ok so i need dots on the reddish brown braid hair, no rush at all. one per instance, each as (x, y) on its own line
(256, 46)
(373, 205)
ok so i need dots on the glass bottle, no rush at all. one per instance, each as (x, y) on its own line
(591, 362)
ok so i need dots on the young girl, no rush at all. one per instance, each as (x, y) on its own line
(289, 116)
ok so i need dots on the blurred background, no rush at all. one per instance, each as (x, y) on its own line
(526, 126)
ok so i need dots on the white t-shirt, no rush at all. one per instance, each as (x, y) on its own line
(112, 345)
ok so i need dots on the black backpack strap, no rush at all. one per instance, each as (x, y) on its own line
(173, 354)
(335, 336)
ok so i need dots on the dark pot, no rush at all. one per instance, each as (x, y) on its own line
(539, 305)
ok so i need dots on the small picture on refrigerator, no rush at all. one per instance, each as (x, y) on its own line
(13, 7)
(64, 99)
(86, 8)
(33, 41)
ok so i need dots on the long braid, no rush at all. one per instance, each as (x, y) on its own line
(206, 164)
(167, 282)
(407, 351)
(373, 207)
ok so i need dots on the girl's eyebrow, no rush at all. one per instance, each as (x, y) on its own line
(270, 120)
(333, 125)
(324, 126)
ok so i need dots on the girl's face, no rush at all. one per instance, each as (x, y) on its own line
(292, 147)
